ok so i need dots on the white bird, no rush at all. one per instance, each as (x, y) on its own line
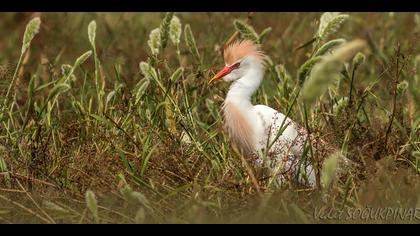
(253, 127)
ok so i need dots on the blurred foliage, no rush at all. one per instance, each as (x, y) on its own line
(102, 130)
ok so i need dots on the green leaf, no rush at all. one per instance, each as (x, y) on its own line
(146, 159)
(415, 127)
(3, 168)
(306, 44)
(31, 87)
(110, 96)
(281, 73)
(57, 90)
(126, 163)
(80, 60)
(141, 89)
(177, 74)
(264, 34)
(101, 119)
(78, 107)
(330, 45)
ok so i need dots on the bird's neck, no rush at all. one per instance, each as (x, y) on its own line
(238, 115)
(242, 89)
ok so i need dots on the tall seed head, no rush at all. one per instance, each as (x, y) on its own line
(175, 76)
(154, 41)
(164, 29)
(189, 39)
(148, 71)
(66, 71)
(246, 31)
(175, 30)
(52, 206)
(32, 28)
(329, 169)
(306, 68)
(402, 87)
(325, 72)
(359, 59)
(92, 204)
(57, 90)
(92, 32)
(330, 22)
(338, 108)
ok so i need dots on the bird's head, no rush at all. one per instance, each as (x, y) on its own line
(240, 58)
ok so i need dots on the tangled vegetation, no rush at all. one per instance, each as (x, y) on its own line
(109, 118)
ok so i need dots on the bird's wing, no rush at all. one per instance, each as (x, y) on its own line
(292, 138)
(288, 147)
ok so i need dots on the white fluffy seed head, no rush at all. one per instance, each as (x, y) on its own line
(32, 28)
(175, 30)
(154, 41)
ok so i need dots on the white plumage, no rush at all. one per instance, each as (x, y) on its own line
(253, 127)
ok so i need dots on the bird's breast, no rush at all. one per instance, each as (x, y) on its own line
(239, 126)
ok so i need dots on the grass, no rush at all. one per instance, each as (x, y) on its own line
(106, 122)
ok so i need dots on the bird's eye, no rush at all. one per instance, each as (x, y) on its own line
(235, 66)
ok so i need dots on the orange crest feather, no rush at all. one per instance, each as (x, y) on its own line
(240, 49)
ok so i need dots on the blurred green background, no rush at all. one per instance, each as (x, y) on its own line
(203, 181)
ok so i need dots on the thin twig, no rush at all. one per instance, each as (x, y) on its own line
(15, 175)
(351, 85)
(394, 98)
(249, 171)
(396, 81)
(137, 145)
(308, 131)
(25, 208)
(35, 203)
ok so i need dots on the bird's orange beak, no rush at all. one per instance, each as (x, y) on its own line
(226, 70)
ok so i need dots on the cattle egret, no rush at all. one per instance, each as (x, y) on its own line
(252, 128)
